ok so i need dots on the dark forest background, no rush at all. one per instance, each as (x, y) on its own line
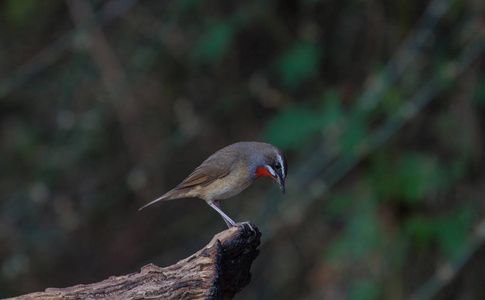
(378, 105)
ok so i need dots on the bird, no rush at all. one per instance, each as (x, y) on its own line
(229, 171)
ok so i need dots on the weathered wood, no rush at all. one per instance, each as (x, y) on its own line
(218, 271)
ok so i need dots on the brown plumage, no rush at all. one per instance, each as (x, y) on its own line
(229, 171)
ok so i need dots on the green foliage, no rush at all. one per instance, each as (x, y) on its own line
(298, 63)
(332, 111)
(420, 230)
(392, 100)
(311, 2)
(449, 231)
(408, 177)
(339, 202)
(297, 123)
(364, 289)
(214, 42)
(479, 97)
(361, 234)
(187, 4)
(445, 73)
(352, 137)
(293, 126)
(16, 11)
(452, 230)
(23, 140)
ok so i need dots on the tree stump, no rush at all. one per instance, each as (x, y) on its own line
(218, 271)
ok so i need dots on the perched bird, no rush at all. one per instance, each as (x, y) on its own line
(229, 171)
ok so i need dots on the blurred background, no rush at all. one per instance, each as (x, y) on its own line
(378, 105)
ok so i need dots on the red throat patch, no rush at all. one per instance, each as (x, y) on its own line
(261, 171)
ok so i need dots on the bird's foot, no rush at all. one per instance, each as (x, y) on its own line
(246, 223)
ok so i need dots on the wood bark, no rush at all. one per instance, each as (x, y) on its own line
(217, 271)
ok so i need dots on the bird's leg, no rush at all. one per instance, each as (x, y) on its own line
(229, 225)
(229, 222)
(215, 205)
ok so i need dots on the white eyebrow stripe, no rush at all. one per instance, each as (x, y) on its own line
(280, 160)
(270, 169)
(283, 171)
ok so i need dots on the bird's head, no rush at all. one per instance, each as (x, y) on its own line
(269, 161)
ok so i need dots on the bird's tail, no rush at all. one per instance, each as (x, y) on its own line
(167, 196)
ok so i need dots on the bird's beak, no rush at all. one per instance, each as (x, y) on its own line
(277, 175)
(281, 182)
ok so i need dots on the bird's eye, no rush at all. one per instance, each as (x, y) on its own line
(277, 166)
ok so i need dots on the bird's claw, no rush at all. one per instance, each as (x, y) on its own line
(246, 223)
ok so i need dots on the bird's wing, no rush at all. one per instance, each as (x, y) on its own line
(207, 172)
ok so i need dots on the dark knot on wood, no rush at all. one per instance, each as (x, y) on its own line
(233, 261)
